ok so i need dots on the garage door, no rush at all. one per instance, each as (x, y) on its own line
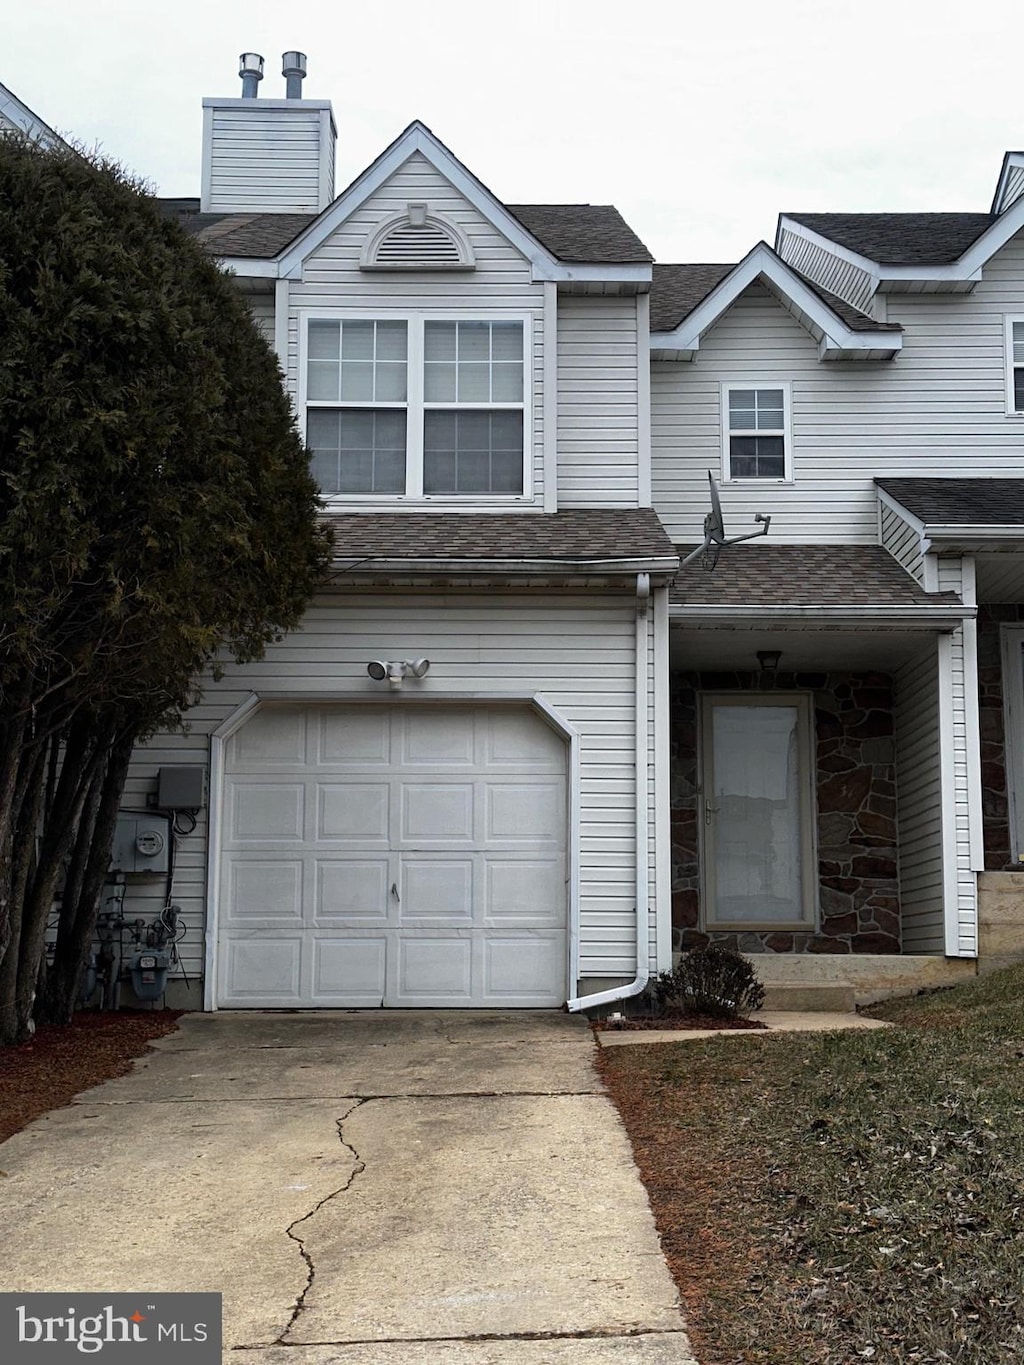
(397, 855)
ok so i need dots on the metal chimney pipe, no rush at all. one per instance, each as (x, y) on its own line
(250, 68)
(293, 69)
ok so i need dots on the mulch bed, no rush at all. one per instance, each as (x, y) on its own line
(59, 1062)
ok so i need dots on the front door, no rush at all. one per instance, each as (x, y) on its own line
(757, 812)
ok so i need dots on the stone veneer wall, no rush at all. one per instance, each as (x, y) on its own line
(995, 801)
(856, 814)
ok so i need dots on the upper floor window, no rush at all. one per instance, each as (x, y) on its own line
(1015, 365)
(756, 440)
(417, 406)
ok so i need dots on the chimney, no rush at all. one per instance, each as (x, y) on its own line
(250, 68)
(268, 155)
(293, 69)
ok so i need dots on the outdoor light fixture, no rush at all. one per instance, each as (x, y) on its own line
(396, 670)
(769, 659)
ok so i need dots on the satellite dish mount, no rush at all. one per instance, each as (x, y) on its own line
(714, 532)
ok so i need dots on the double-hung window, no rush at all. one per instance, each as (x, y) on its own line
(756, 432)
(1015, 366)
(417, 406)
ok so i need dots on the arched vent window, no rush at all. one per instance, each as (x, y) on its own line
(417, 240)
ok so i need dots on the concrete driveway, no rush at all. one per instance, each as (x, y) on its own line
(362, 1187)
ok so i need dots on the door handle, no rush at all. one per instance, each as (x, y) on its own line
(709, 810)
(394, 892)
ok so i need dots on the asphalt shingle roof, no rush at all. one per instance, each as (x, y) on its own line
(765, 576)
(960, 502)
(596, 233)
(900, 238)
(573, 536)
(583, 232)
(676, 290)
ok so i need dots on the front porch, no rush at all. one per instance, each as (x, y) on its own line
(825, 823)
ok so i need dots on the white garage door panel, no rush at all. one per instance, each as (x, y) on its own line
(404, 855)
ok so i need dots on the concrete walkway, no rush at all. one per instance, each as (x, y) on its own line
(365, 1187)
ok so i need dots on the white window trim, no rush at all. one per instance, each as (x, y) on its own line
(415, 406)
(1009, 320)
(787, 432)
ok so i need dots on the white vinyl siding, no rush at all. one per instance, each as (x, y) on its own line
(902, 541)
(500, 285)
(840, 277)
(939, 410)
(598, 415)
(577, 652)
(919, 789)
(265, 161)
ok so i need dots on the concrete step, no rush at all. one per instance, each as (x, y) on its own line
(831, 998)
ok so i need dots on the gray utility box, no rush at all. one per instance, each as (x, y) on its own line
(181, 787)
(142, 843)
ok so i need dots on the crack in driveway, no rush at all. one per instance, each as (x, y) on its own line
(359, 1165)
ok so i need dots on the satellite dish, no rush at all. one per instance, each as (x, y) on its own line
(714, 531)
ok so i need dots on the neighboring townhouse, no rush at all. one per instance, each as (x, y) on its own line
(519, 753)
(862, 384)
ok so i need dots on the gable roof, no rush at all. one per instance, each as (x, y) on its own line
(842, 332)
(960, 502)
(900, 238)
(676, 290)
(590, 539)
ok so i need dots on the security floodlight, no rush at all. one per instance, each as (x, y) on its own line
(395, 670)
(378, 671)
(417, 667)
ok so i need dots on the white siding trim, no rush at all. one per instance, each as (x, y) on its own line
(550, 399)
(327, 133)
(662, 783)
(643, 398)
(930, 573)
(1009, 320)
(972, 720)
(948, 806)
(206, 172)
(572, 735)
(281, 328)
(218, 739)
(787, 430)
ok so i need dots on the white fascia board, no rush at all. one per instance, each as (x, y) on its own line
(637, 274)
(842, 253)
(416, 138)
(814, 314)
(967, 534)
(251, 268)
(943, 616)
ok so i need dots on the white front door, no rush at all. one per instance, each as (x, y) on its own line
(757, 809)
(401, 855)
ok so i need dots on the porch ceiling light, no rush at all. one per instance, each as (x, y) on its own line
(769, 659)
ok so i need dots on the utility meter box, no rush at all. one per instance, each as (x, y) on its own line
(141, 843)
(181, 787)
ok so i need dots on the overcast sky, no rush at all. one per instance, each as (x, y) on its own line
(699, 121)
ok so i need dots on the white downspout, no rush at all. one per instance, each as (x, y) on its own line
(634, 987)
